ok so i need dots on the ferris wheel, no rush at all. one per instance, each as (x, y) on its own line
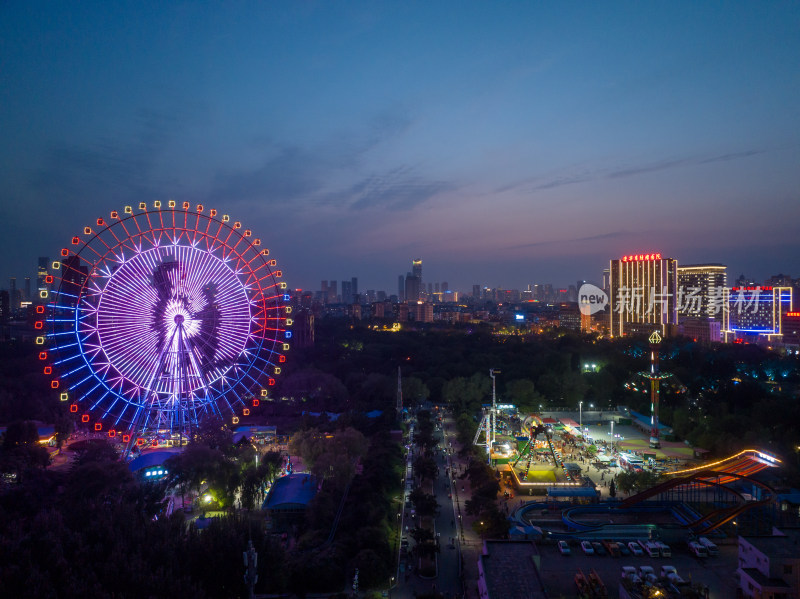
(162, 316)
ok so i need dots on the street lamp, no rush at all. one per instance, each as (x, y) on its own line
(580, 412)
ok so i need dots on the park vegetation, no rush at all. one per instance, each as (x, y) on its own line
(95, 530)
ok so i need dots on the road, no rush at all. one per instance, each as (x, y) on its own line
(450, 498)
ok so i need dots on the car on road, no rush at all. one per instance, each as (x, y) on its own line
(635, 548)
(563, 548)
(587, 548)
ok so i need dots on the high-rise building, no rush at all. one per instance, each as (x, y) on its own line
(41, 276)
(701, 289)
(642, 294)
(73, 277)
(476, 292)
(412, 288)
(416, 269)
(347, 292)
(401, 287)
(27, 297)
(354, 288)
(333, 292)
(756, 313)
(12, 294)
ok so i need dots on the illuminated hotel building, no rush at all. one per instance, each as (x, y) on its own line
(756, 313)
(701, 290)
(642, 294)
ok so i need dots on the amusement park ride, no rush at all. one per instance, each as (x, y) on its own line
(488, 422)
(160, 317)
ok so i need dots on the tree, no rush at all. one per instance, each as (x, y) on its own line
(424, 503)
(522, 393)
(612, 489)
(425, 467)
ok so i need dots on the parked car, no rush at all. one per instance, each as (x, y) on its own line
(587, 548)
(563, 548)
(664, 549)
(612, 547)
(635, 548)
(647, 573)
(623, 549)
(598, 548)
(709, 545)
(630, 573)
(698, 549)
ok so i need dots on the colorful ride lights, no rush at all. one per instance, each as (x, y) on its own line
(641, 257)
(162, 316)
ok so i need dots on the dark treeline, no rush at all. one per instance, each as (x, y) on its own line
(96, 531)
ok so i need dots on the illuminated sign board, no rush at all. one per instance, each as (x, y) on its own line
(641, 257)
(793, 314)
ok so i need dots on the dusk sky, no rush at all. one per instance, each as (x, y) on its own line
(503, 143)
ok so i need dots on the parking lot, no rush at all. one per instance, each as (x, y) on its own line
(558, 571)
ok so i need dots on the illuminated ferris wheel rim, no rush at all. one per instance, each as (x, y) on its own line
(198, 368)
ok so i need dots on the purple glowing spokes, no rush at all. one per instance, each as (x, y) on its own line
(136, 320)
(165, 316)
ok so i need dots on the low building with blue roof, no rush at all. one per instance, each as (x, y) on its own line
(289, 497)
(150, 465)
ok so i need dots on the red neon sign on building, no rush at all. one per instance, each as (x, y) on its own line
(641, 257)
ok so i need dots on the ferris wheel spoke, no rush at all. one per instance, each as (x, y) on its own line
(165, 316)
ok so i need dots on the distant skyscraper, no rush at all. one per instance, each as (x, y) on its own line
(333, 292)
(73, 278)
(445, 287)
(27, 297)
(476, 291)
(12, 294)
(412, 288)
(416, 269)
(347, 292)
(4, 310)
(401, 287)
(354, 286)
(701, 289)
(642, 294)
(41, 275)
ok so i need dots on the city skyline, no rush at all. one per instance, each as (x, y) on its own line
(503, 145)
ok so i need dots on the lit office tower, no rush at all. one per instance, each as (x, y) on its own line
(756, 313)
(701, 289)
(642, 294)
(416, 269)
(41, 275)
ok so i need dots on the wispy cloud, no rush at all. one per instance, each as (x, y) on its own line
(535, 184)
(401, 188)
(611, 235)
(679, 162)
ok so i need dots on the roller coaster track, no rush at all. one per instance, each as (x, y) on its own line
(710, 478)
